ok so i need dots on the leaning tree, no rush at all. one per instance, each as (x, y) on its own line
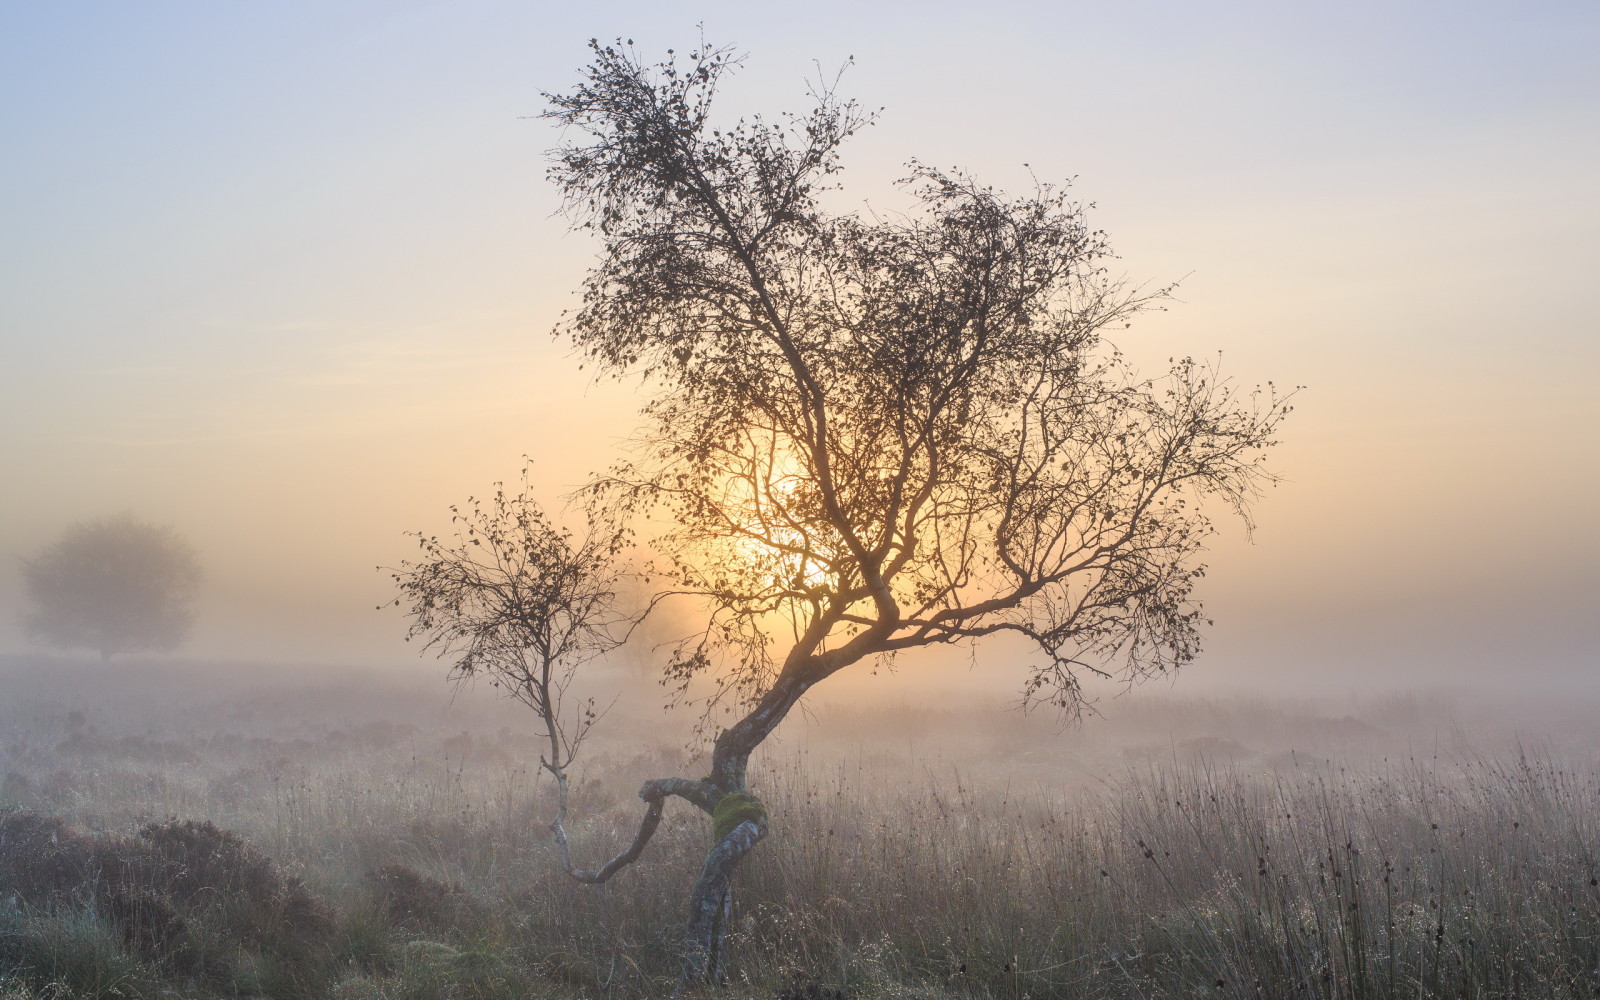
(865, 435)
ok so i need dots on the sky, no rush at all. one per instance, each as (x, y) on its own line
(282, 275)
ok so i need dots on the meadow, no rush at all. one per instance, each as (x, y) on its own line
(178, 829)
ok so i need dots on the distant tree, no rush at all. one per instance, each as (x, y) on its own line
(867, 435)
(115, 585)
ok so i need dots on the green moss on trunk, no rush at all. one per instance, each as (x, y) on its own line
(735, 808)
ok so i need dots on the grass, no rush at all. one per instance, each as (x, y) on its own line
(1208, 849)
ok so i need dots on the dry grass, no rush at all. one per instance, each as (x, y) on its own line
(1221, 849)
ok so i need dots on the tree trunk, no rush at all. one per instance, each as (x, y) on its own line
(711, 901)
(711, 905)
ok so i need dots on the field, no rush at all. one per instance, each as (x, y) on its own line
(183, 829)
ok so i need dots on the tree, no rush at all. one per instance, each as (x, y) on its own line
(868, 435)
(116, 585)
(522, 603)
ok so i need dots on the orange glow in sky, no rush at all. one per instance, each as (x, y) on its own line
(283, 276)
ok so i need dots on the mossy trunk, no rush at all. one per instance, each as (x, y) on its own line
(739, 821)
(711, 901)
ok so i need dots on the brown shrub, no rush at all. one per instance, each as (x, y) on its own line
(41, 860)
(150, 926)
(412, 899)
(213, 875)
(183, 894)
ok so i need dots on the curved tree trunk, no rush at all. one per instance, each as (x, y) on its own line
(711, 905)
(711, 900)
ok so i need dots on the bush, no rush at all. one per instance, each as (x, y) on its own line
(191, 898)
(412, 899)
(41, 860)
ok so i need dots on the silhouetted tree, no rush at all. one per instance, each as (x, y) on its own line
(868, 435)
(516, 600)
(116, 585)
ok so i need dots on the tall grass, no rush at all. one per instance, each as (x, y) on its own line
(914, 865)
(1414, 878)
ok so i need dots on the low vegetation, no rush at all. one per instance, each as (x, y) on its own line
(328, 845)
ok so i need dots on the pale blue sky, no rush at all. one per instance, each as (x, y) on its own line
(282, 275)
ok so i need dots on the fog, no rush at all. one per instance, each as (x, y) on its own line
(132, 711)
(283, 279)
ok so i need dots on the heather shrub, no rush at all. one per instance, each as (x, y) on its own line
(409, 898)
(42, 860)
(186, 897)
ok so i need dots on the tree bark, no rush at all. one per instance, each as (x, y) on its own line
(654, 793)
(731, 752)
(711, 905)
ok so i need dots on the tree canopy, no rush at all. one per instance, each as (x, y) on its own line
(871, 434)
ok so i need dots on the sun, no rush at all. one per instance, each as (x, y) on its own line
(772, 538)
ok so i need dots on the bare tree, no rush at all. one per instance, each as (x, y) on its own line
(865, 435)
(116, 585)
